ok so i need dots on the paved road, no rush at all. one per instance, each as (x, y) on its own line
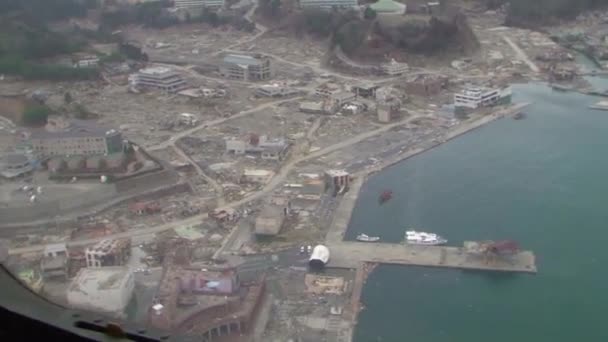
(219, 191)
(521, 54)
(275, 182)
(216, 122)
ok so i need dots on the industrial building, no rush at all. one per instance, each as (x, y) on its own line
(105, 289)
(328, 4)
(62, 137)
(161, 78)
(247, 68)
(473, 97)
(198, 4)
(108, 253)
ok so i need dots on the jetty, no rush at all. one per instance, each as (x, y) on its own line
(353, 254)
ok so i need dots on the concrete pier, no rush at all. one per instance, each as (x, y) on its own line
(353, 254)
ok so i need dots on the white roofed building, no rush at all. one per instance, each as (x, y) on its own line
(161, 78)
(474, 97)
(196, 4)
(328, 4)
(395, 68)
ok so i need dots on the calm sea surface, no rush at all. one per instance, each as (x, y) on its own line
(541, 181)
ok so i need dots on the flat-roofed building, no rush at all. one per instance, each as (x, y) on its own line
(394, 68)
(475, 97)
(106, 289)
(196, 4)
(61, 137)
(54, 263)
(275, 90)
(328, 4)
(247, 68)
(271, 219)
(161, 78)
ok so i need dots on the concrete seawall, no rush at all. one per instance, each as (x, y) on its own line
(344, 211)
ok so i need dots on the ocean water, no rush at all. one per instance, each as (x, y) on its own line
(541, 181)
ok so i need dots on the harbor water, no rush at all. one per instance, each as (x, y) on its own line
(540, 181)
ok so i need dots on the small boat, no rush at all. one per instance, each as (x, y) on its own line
(367, 238)
(519, 116)
(413, 237)
(385, 196)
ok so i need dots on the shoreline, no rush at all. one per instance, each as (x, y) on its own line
(343, 213)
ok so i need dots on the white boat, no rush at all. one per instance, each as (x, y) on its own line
(413, 237)
(367, 238)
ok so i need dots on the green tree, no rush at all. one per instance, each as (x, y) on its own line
(369, 13)
(350, 36)
(35, 115)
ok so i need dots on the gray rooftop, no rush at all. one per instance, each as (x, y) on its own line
(270, 220)
(13, 159)
(76, 129)
(242, 60)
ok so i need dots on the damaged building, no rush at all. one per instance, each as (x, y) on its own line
(205, 303)
(425, 85)
(272, 218)
(61, 137)
(263, 146)
(108, 253)
(160, 78)
(247, 68)
(54, 263)
(107, 290)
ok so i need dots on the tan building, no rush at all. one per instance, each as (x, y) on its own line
(61, 137)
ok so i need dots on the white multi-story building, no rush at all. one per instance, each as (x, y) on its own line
(473, 98)
(189, 4)
(161, 78)
(395, 68)
(105, 289)
(247, 68)
(328, 4)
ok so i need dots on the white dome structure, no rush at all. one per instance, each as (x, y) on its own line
(319, 257)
